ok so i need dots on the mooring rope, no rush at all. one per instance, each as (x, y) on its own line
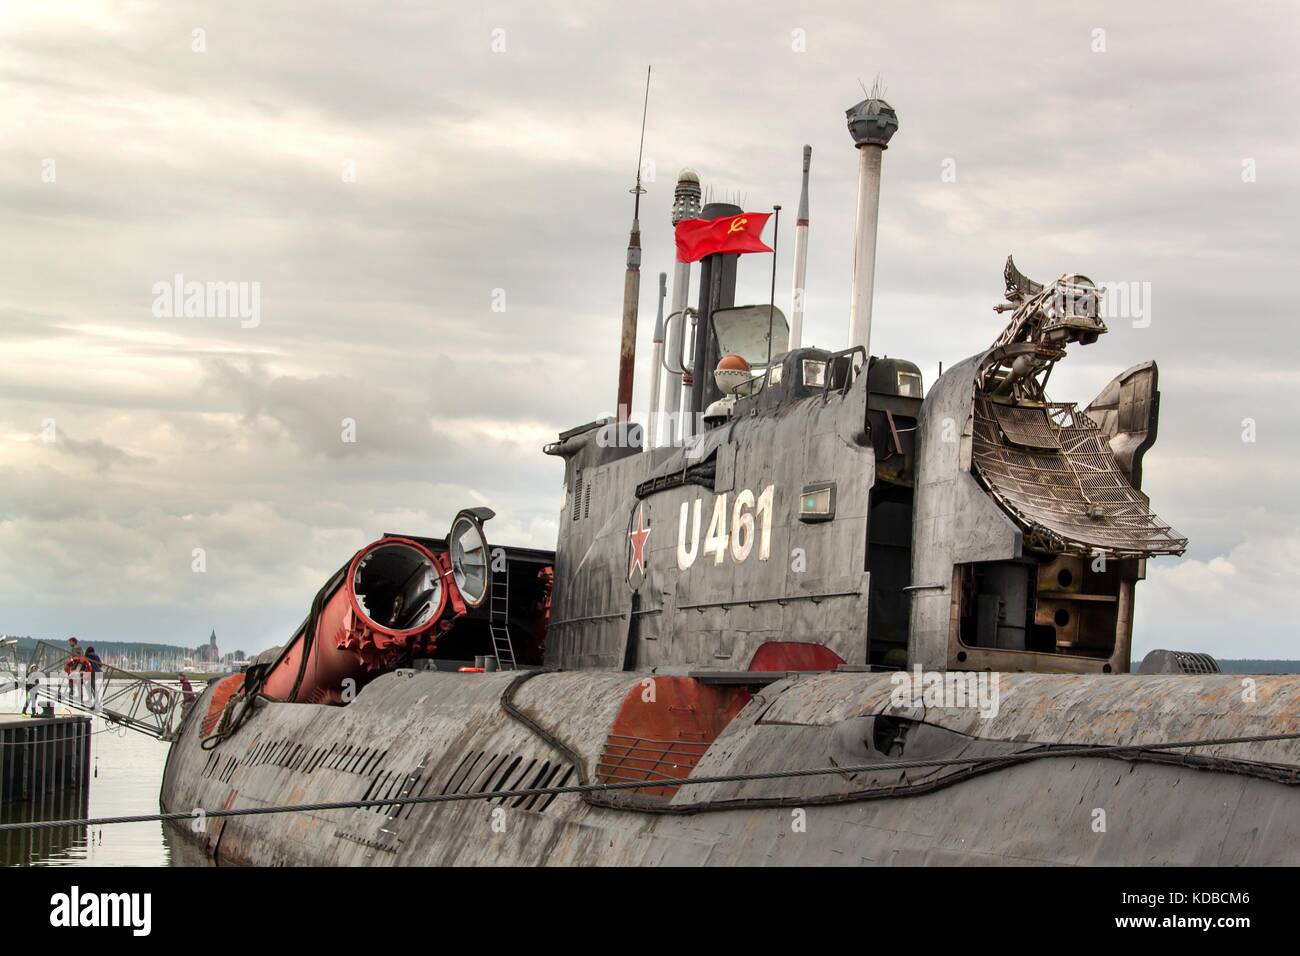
(1286, 776)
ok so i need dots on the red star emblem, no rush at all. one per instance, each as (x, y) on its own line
(638, 537)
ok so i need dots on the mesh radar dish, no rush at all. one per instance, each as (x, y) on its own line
(470, 557)
(743, 331)
(1052, 469)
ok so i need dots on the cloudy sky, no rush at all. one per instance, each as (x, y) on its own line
(384, 173)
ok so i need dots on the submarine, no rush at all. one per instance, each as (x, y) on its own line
(834, 617)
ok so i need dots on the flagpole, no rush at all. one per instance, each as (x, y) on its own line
(771, 302)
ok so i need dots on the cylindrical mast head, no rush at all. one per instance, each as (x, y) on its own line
(803, 190)
(686, 197)
(872, 124)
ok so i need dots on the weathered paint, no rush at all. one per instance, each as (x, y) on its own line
(425, 732)
(813, 583)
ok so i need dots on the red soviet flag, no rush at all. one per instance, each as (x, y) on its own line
(697, 238)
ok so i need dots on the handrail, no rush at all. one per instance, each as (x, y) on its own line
(681, 359)
(119, 696)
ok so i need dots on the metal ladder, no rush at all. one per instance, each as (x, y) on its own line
(499, 618)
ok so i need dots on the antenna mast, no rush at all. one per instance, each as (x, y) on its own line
(632, 281)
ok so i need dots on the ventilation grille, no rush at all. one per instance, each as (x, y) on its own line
(480, 772)
(299, 758)
(577, 496)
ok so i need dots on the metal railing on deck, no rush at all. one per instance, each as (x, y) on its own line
(59, 676)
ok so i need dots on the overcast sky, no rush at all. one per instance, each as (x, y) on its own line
(381, 170)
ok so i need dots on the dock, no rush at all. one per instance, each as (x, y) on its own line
(40, 755)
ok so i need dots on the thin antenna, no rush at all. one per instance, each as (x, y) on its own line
(640, 150)
(632, 282)
(877, 88)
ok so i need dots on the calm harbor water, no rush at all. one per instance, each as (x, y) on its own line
(126, 773)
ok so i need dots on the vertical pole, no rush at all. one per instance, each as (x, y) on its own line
(657, 365)
(18, 760)
(688, 419)
(800, 258)
(771, 301)
(717, 291)
(632, 284)
(627, 343)
(673, 400)
(872, 124)
(864, 245)
(686, 205)
(43, 768)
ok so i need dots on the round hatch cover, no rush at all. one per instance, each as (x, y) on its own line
(470, 559)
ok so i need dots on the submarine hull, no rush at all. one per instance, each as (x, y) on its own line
(423, 733)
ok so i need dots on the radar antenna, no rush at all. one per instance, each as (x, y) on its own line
(1045, 318)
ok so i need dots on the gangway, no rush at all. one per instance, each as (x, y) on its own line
(8, 664)
(61, 676)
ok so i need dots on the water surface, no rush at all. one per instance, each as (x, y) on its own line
(126, 774)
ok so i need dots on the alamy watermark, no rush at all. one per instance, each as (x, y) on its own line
(177, 299)
(1110, 301)
(979, 690)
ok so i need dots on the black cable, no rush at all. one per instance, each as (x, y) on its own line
(1287, 776)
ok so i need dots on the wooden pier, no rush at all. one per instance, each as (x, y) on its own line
(40, 755)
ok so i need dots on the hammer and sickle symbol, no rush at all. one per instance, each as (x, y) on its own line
(738, 225)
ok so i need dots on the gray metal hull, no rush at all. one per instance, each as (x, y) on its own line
(427, 732)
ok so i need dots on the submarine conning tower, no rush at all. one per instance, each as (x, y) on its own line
(823, 512)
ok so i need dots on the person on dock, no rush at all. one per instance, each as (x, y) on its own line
(73, 667)
(30, 702)
(188, 697)
(96, 665)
